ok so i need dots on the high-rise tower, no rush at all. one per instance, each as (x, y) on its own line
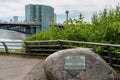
(40, 14)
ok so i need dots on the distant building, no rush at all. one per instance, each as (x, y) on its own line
(1, 21)
(40, 14)
(15, 18)
(55, 20)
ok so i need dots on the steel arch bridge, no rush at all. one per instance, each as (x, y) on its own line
(25, 28)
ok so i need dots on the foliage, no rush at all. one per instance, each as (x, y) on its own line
(107, 25)
(105, 28)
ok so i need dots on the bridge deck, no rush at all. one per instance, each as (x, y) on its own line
(27, 28)
(20, 24)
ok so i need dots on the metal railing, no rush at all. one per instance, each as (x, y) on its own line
(8, 47)
(110, 52)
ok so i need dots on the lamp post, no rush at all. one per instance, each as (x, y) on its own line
(67, 12)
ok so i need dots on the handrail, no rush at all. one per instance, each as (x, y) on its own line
(79, 42)
(6, 48)
(58, 45)
(61, 42)
(43, 41)
(91, 43)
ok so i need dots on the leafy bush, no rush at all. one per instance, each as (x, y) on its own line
(105, 28)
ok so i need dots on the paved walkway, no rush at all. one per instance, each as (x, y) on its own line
(12, 68)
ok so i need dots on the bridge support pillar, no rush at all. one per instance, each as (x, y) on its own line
(38, 29)
(33, 30)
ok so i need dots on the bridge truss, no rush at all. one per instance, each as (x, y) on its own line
(20, 27)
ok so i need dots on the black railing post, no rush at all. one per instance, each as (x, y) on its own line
(6, 48)
(61, 47)
(27, 48)
(109, 55)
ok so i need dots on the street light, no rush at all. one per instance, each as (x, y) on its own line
(67, 12)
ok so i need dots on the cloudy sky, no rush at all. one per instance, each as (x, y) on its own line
(10, 8)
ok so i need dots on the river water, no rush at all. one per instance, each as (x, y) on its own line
(7, 35)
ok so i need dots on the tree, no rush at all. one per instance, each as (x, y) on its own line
(105, 27)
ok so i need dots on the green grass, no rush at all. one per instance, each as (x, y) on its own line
(14, 51)
(2, 50)
(21, 53)
(24, 55)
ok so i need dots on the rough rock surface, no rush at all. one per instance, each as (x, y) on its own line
(37, 73)
(96, 68)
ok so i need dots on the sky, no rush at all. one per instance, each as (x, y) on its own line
(10, 8)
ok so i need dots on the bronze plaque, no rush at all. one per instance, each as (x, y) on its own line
(74, 62)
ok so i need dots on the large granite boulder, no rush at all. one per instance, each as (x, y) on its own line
(77, 64)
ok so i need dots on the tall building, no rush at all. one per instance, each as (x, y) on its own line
(55, 20)
(40, 14)
(15, 18)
